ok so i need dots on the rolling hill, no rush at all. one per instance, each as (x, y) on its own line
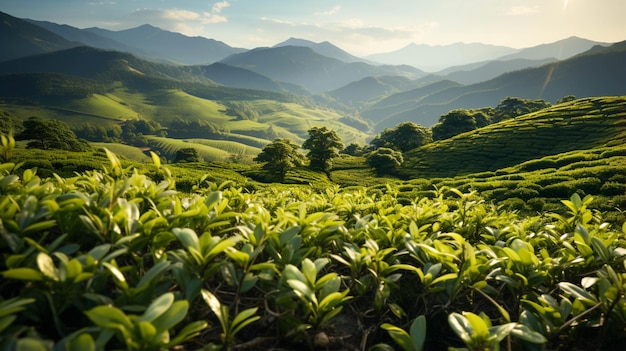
(83, 86)
(578, 125)
(238, 77)
(369, 89)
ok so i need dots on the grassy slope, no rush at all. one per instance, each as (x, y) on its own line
(289, 120)
(578, 125)
(125, 151)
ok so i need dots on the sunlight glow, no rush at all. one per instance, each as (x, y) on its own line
(565, 4)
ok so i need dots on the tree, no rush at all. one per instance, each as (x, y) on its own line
(323, 145)
(384, 160)
(453, 123)
(512, 107)
(50, 134)
(187, 154)
(406, 136)
(353, 149)
(280, 156)
(566, 98)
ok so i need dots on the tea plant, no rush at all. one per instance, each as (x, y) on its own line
(115, 259)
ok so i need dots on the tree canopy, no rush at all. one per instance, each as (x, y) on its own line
(459, 121)
(404, 137)
(187, 154)
(50, 134)
(512, 107)
(280, 156)
(384, 160)
(323, 145)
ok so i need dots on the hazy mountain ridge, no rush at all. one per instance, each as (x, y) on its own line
(595, 74)
(490, 69)
(371, 88)
(85, 37)
(324, 48)
(19, 38)
(303, 66)
(173, 46)
(561, 49)
(436, 57)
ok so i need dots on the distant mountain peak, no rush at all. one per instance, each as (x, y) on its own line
(296, 42)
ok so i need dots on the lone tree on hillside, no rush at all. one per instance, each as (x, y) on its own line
(406, 136)
(50, 134)
(512, 107)
(384, 160)
(323, 145)
(459, 121)
(280, 156)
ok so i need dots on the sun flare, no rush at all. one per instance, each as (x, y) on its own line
(565, 4)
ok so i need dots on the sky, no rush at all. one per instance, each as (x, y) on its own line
(361, 27)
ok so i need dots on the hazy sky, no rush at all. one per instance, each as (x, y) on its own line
(361, 27)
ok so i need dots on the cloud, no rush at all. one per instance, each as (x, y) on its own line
(277, 21)
(176, 18)
(355, 35)
(219, 6)
(522, 10)
(332, 11)
(180, 15)
(209, 18)
(102, 3)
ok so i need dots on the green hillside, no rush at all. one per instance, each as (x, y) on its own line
(125, 151)
(578, 125)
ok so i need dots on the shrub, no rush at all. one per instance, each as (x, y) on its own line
(536, 204)
(523, 193)
(513, 204)
(613, 188)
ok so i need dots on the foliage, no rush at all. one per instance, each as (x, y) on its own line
(576, 125)
(457, 122)
(7, 145)
(280, 156)
(566, 98)
(112, 259)
(323, 145)
(50, 134)
(188, 154)
(404, 137)
(512, 107)
(384, 160)
(353, 149)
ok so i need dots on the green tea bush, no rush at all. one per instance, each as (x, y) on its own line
(513, 204)
(613, 188)
(522, 193)
(113, 259)
(537, 164)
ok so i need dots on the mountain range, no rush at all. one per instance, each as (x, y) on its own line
(600, 71)
(434, 58)
(383, 89)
